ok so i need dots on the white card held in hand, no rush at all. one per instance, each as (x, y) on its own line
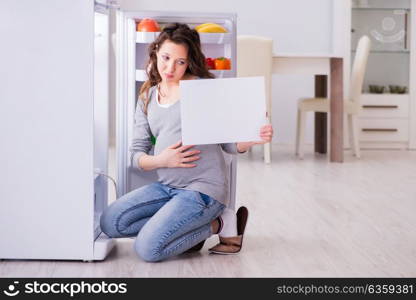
(227, 110)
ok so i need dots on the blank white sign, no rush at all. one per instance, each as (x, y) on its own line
(227, 110)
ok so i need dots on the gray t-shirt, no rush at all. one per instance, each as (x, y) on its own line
(210, 176)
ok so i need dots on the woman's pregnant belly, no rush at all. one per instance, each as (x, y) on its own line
(210, 168)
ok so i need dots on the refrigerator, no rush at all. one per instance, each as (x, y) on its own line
(54, 119)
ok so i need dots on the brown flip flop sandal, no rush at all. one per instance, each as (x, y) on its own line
(233, 245)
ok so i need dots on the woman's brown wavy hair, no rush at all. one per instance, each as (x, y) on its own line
(180, 34)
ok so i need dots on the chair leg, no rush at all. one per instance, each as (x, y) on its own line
(300, 132)
(297, 133)
(353, 133)
(267, 154)
(268, 146)
(356, 136)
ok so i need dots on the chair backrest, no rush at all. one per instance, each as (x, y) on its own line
(255, 58)
(358, 69)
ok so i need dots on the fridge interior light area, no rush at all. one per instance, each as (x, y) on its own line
(132, 56)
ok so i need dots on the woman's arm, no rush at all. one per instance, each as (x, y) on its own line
(266, 135)
(141, 142)
(149, 162)
(174, 156)
(244, 146)
(230, 148)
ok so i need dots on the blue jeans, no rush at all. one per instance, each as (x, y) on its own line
(167, 221)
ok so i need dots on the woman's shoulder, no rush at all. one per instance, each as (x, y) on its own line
(150, 92)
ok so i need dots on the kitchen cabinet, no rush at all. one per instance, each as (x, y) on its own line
(388, 118)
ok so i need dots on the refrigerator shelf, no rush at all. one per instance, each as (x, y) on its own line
(222, 73)
(206, 38)
(146, 37)
(141, 74)
(215, 38)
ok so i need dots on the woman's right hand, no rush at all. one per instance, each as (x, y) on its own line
(177, 156)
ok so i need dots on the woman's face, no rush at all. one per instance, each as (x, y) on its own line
(172, 61)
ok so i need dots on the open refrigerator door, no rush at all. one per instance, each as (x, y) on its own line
(131, 59)
(55, 107)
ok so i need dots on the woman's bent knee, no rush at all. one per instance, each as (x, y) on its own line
(108, 223)
(147, 250)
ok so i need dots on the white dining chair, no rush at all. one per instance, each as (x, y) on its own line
(352, 106)
(254, 58)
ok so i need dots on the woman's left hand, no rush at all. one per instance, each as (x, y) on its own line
(266, 135)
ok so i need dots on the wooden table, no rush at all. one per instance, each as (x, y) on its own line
(320, 65)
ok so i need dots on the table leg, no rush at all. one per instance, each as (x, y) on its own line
(337, 111)
(321, 87)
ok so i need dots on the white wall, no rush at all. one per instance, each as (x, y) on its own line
(295, 26)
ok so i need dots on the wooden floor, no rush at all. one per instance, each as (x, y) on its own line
(308, 218)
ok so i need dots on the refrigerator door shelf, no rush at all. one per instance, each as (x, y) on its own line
(141, 74)
(102, 246)
(206, 38)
